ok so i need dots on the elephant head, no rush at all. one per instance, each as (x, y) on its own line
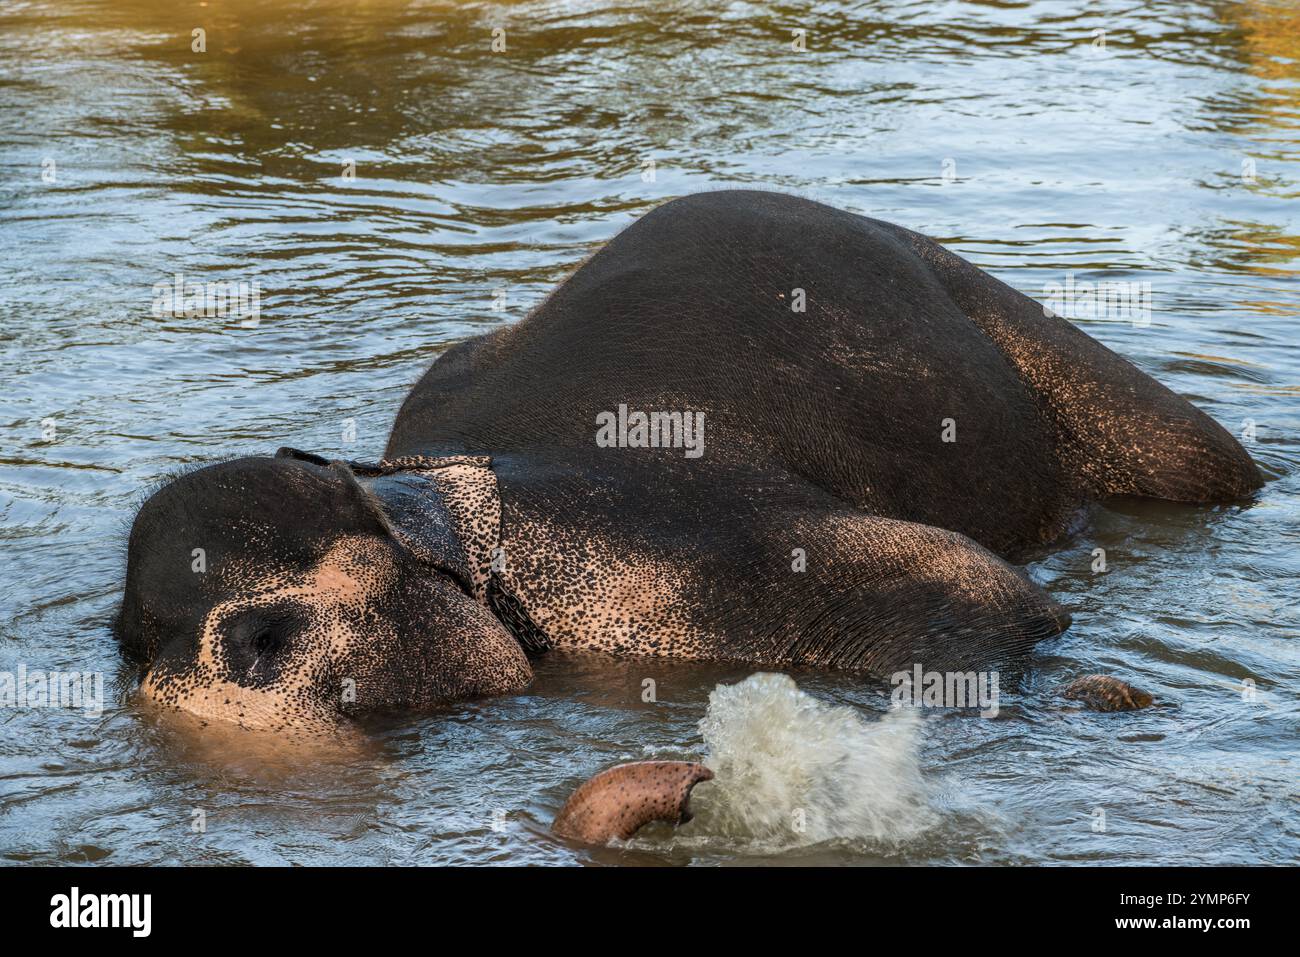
(290, 593)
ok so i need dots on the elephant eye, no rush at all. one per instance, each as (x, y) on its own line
(260, 632)
(264, 639)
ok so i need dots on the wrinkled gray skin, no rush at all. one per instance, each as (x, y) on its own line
(826, 523)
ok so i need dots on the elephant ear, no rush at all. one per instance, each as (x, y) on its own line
(411, 509)
(420, 520)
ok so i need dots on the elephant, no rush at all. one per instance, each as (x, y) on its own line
(751, 427)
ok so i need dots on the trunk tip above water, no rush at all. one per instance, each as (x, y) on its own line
(619, 801)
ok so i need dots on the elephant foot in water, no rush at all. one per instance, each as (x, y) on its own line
(1104, 693)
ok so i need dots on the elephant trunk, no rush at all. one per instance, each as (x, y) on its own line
(617, 802)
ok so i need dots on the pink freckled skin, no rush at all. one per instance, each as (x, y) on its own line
(619, 801)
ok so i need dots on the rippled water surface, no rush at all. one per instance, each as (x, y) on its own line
(1168, 155)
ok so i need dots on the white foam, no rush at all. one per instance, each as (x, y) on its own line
(791, 770)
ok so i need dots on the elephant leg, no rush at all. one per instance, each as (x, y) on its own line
(1105, 693)
(725, 575)
(847, 590)
(1119, 429)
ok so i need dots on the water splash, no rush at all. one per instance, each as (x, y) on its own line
(791, 770)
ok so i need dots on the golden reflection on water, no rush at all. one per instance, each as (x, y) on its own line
(1271, 42)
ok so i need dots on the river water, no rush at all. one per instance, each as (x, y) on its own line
(393, 185)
